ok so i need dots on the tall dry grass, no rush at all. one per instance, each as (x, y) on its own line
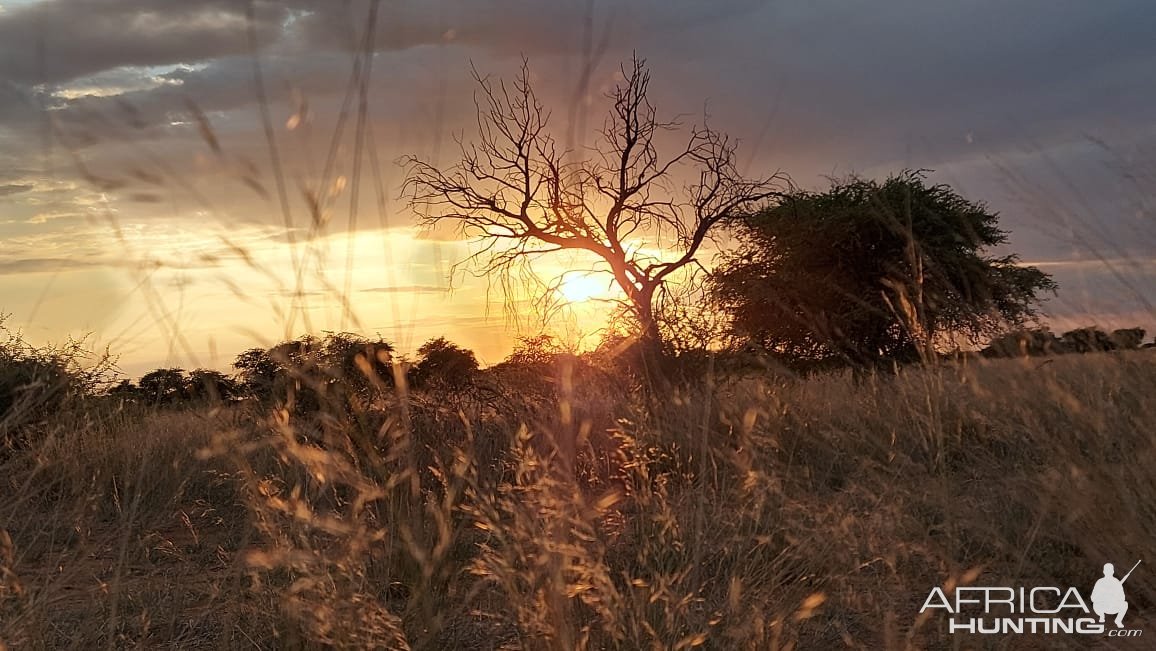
(756, 512)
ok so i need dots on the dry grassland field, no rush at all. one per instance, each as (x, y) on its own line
(750, 511)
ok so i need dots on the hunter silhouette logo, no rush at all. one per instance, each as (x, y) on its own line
(1003, 610)
(1108, 595)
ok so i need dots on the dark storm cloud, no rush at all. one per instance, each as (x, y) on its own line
(17, 103)
(845, 82)
(221, 85)
(829, 86)
(518, 26)
(832, 66)
(307, 44)
(878, 80)
(58, 40)
(1084, 198)
(227, 83)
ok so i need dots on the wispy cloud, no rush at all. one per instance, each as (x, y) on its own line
(35, 265)
(15, 188)
(61, 264)
(1097, 263)
(408, 289)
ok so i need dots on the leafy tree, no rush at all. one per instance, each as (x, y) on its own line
(356, 361)
(642, 216)
(443, 365)
(310, 369)
(164, 386)
(126, 390)
(288, 373)
(208, 386)
(871, 271)
(257, 372)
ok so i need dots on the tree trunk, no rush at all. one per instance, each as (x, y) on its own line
(651, 354)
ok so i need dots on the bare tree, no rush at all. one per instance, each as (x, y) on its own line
(642, 217)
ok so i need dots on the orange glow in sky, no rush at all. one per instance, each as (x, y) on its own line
(581, 287)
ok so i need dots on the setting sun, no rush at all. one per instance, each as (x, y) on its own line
(579, 288)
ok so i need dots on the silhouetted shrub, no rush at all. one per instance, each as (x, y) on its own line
(1033, 343)
(1087, 340)
(39, 382)
(1024, 343)
(443, 365)
(1127, 338)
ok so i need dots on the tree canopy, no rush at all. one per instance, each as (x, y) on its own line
(309, 367)
(443, 364)
(870, 271)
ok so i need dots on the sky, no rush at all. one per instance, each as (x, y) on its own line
(140, 202)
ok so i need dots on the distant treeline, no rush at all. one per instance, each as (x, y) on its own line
(309, 372)
(305, 371)
(347, 373)
(1041, 341)
(351, 369)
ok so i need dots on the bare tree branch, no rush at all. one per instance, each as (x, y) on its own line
(523, 196)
